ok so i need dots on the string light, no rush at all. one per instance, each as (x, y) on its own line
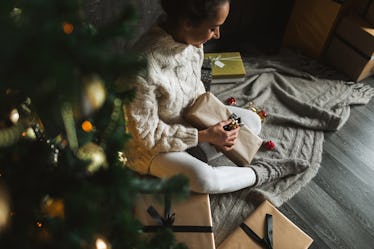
(101, 244)
(39, 224)
(67, 27)
(87, 126)
(14, 116)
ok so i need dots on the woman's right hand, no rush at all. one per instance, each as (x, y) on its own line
(220, 138)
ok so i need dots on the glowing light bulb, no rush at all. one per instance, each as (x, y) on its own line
(101, 244)
(14, 116)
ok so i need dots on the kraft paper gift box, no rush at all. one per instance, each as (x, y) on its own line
(208, 110)
(227, 67)
(311, 24)
(192, 219)
(370, 14)
(284, 234)
(351, 51)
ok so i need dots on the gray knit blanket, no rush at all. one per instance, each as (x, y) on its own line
(303, 99)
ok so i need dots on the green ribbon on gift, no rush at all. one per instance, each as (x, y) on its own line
(267, 241)
(167, 221)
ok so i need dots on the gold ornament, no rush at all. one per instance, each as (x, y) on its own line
(94, 94)
(93, 153)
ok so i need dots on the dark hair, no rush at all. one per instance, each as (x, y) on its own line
(196, 11)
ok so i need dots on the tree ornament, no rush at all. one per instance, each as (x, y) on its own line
(262, 114)
(231, 101)
(93, 94)
(93, 153)
(269, 145)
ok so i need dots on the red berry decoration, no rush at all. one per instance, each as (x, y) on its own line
(269, 145)
(231, 101)
(262, 114)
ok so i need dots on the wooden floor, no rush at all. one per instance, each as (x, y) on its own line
(337, 207)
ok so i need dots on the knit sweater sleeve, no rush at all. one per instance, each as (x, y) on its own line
(150, 130)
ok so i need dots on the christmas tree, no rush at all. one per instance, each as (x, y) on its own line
(63, 179)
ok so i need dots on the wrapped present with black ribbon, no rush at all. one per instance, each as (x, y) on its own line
(189, 219)
(267, 228)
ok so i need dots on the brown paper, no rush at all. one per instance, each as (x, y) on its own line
(286, 235)
(194, 211)
(208, 110)
(370, 14)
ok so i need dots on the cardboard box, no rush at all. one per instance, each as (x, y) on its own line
(352, 49)
(193, 212)
(358, 33)
(310, 25)
(227, 67)
(286, 235)
(349, 60)
(370, 14)
(360, 7)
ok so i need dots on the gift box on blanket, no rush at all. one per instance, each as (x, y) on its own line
(189, 219)
(227, 67)
(267, 228)
(352, 49)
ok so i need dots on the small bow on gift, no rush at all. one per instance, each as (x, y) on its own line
(218, 60)
(235, 123)
(267, 241)
(168, 220)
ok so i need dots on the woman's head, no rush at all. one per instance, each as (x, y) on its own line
(196, 21)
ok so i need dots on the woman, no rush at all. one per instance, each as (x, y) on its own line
(173, 49)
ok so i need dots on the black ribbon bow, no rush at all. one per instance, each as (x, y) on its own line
(267, 241)
(168, 220)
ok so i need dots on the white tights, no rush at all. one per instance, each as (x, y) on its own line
(204, 178)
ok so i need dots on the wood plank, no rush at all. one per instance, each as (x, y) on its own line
(288, 211)
(329, 220)
(354, 196)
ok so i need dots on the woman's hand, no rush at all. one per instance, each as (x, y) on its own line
(216, 135)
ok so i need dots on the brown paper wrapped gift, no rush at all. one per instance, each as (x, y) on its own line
(208, 110)
(285, 234)
(352, 48)
(192, 221)
(311, 23)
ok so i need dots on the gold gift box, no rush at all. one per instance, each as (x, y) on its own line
(192, 212)
(227, 67)
(286, 235)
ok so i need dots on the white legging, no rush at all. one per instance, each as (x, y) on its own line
(204, 178)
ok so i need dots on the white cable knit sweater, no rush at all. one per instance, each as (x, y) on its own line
(170, 82)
